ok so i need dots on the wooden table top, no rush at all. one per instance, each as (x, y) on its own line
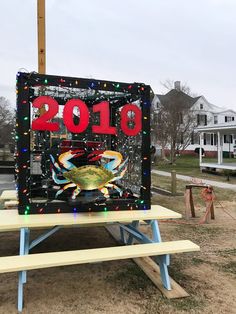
(11, 220)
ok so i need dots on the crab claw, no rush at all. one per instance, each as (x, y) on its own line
(117, 158)
(65, 157)
(77, 152)
(95, 155)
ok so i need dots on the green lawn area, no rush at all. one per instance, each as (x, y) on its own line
(189, 165)
(165, 183)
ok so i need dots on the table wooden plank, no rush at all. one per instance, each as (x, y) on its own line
(11, 220)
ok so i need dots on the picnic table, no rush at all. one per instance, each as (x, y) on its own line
(127, 222)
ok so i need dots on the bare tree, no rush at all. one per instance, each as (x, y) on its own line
(159, 130)
(175, 120)
(170, 84)
(7, 122)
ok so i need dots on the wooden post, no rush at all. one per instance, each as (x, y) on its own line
(192, 203)
(173, 182)
(187, 203)
(208, 212)
(41, 37)
(41, 44)
(212, 210)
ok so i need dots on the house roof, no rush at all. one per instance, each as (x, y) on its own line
(175, 95)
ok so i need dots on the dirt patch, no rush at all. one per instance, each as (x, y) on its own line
(120, 286)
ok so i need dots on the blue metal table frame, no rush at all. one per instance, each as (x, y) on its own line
(128, 233)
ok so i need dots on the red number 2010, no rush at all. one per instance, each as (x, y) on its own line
(43, 123)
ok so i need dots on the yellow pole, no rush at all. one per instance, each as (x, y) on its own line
(41, 41)
(41, 37)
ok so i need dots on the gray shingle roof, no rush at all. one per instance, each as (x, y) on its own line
(174, 96)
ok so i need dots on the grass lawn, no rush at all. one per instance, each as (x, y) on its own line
(177, 202)
(189, 165)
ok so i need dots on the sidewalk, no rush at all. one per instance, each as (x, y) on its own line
(222, 185)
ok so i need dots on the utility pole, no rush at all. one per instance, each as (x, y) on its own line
(41, 37)
(41, 41)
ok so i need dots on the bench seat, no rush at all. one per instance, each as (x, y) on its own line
(45, 260)
(10, 204)
(9, 195)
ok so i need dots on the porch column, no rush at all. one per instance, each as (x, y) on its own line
(200, 150)
(219, 148)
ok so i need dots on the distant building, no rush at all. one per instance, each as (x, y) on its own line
(206, 114)
(221, 131)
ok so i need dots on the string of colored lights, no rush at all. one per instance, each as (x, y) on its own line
(137, 148)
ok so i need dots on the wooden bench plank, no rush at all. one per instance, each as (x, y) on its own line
(11, 204)
(45, 260)
(152, 270)
(9, 195)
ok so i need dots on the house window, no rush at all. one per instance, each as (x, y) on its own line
(201, 119)
(215, 139)
(206, 139)
(228, 139)
(212, 139)
(215, 119)
(229, 119)
(192, 138)
(201, 106)
(195, 138)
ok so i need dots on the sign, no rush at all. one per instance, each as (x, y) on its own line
(43, 123)
(82, 144)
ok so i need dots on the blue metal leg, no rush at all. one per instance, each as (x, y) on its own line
(122, 235)
(24, 247)
(43, 237)
(134, 224)
(155, 231)
(164, 260)
(20, 292)
(26, 251)
(136, 234)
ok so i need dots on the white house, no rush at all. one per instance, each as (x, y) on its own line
(206, 114)
(220, 130)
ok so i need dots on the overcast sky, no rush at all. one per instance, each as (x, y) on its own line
(149, 41)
